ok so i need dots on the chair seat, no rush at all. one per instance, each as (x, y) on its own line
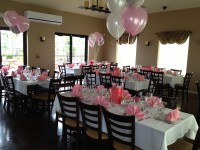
(43, 96)
(120, 146)
(94, 134)
(72, 123)
(180, 145)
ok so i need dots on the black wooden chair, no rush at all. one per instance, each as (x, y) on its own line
(152, 87)
(113, 65)
(184, 87)
(120, 128)
(105, 79)
(198, 91)
(118, 80)
(148, 73)
(92, 123)
(56, 74)
(126, 68)
(91, 79)
(70, 116)
(176, 71)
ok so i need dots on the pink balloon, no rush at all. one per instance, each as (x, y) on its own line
(99, 38)
(11, 18)
(134, 19)
(15, 30)
(23, 23)
(92, 40)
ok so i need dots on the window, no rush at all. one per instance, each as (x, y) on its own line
(126, 54)
(173, 56)
(70, 48)
(12, 49)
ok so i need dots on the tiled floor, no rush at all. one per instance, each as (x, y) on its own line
(35, 132)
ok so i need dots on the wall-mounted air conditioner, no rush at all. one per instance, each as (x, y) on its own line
(43, 17)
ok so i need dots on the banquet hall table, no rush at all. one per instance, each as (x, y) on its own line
(136, 84)
(172, 80)
(21, 86)
(75, 70)
(151, 133)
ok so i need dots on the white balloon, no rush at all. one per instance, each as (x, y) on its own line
(115, 6)
(114, 25)
(136, 3)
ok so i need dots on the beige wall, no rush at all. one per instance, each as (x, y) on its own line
(78, 24)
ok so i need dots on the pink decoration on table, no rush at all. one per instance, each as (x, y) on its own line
(71, 65)
(22, 77)
(91, 62)
(153, 101)
(97, 71)
(138, 76)
(136, 99)
(173, 115)
(99, 88)
(135, 111)
(5, 69)
(116, 72)
(13, 73)
(101, 100)
(77, 91)
(81, 65)
(157, 70)
(19, 70)
(108, 71)
(99, 64)
(116, 94)
(126, 95)
(33, 72)
(43, 76)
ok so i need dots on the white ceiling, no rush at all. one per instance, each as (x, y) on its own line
(151, 6)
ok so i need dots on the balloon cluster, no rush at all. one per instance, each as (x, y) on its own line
(95, 41)
(16, 23)
(95, 38)
(126, 15)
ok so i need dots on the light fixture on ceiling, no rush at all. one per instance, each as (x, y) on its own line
(96, 5)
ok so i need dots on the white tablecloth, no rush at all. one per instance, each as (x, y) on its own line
(21, 86)
(136, 85)
(172, 80)
(75, 71)
(152, 134)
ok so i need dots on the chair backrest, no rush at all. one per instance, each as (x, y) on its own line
(120, 128)
(105, 79)
(153, 84)
(126, 68)
(159, 76)
(91, 115)
(176, 71)
(118, 80)
(133, 70)
(148, 73)
(10, 86)
(69, 107)
(86, 69)
(170, 102)
(112, 66)
(91, 79)
(52, 87)
(56, 74)
(198, 111)
(187, 79)
(104, 67)
(62, 70)
(94, 67)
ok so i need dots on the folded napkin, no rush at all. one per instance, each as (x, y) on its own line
(43, 76)
(13, 73)
(126, 95)
(91, 62)
(116, 72)
(77, 91)
(173, 115)
(100, 88)
(81, 65)
(101, 100)
(22, 77)
(134, 111)
(71, 65)
(153, 101)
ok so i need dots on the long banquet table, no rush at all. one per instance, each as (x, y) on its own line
(150, 133)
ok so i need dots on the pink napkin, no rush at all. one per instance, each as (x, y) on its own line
(71, 65)
(5, 69)
(22, 77)
(91, 62)
(116, 72)
(136, 99)
(108, 71)
(99, 88)
(153, 101)
(33, 72)
(81, 65)
(77, 91)
(101, 100)
(126, 95)
(13, 73)
(135, 111)
(43, 76)
(173, 115)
